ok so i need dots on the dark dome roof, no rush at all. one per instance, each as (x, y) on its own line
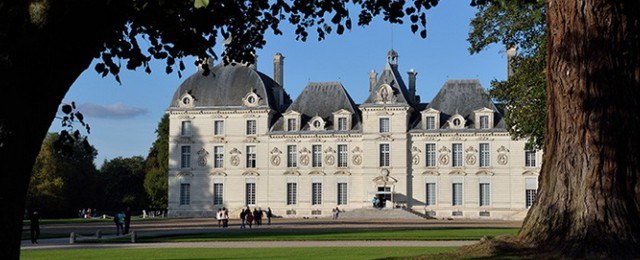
(226, 86)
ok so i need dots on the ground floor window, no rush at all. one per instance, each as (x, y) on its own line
(292, 193)
(185, 194)
(217, 193)
(431, 194)
(530, 191)
(342, 193)
(316, 193)
(485, 194)
(250, 194)
(456, 196)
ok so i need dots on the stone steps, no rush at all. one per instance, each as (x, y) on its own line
(371, 213)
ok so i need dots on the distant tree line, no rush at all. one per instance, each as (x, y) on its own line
(63, 183)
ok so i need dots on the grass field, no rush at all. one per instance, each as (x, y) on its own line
(236, 253)
(328, 235)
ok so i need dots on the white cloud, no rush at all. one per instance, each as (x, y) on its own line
(112, 111)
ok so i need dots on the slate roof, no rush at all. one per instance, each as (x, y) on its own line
(390, 75)
(463, 97)
(322, 99)
(226, 86)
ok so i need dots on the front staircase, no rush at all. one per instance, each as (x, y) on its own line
(382, 213)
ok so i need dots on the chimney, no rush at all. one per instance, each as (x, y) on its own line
(372, 80)
(412, 84)
(278, 77)
(511, 53)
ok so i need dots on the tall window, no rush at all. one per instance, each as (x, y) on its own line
(456, 196)
(484, 122)
(185, 158)
(250, 194)
(342, 155)
(218, 156)
(530, 191)
(384, 125)
(292, 124)
(316, 158)
(431, 123)
(185, 194)
(530, 158)
(292, 156)
(251, 127)
(456, 157)
(292, 193)
(251, 156)
(342, 193)
(217, 193)
(431, 194)
(485, 193)
(431, 155)
(186, 128)
(342, 124)
(384, 155)
(484, 155)
(218, 127)
(316, 193)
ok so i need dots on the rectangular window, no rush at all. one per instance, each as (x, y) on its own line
(342, 193)
(530, 158)
(431, 155)
(316, 193)
(531, 189)
(342, 124)
(342, 155)
(456, 196)
(484, 155)
(485, 193)
(456, 157)
(292, 193)
(431, 194)
(384, 155)
(250, 194)
(316, 158)
(384, 125)
(292, 124)
(186, 128)
(484, 122)
(251, 156)
(185, 194)
(217, 193)
(251, 127)
(185, 158)
(430, 123)
(218, 156)
(218, 127)
(292, 156)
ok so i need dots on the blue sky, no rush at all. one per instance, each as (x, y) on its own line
(123, 118)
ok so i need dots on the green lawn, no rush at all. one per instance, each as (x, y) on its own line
(324, 235)
(236, 253)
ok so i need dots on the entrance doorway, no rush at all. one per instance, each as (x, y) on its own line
(383, 196)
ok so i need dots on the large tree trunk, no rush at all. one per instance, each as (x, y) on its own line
(43, 49)
(588, 200)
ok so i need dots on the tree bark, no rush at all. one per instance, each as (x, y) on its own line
(42, 52)
(588, 199)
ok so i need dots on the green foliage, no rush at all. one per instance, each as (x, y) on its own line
(523, 94)
(121, 182)
(157, 167)
(61, 183)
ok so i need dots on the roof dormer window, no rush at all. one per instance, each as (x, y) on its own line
(292, 120)
(342, 120)
(186, 100)
(317, 123)
(483, 118)
(457, 122)
(251, 99)
(430, 119)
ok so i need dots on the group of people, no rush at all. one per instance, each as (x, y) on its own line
(335, 212)
(87, 213)
(378, 202)
(223, 217)
(248, 218)
(122, 221)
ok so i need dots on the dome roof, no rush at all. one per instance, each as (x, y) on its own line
(226, 86)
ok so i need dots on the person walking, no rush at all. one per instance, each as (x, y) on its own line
(243, 217)
(127, 220)
(249, 217)
(269, 215)
(219, 217)
(225, 218)
(118, 218)
(337, 212)
(34, 227)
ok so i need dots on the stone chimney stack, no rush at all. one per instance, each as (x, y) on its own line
(412, 84)
(278, 69)
(373, 77)
(511, 53)
(278, 77)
